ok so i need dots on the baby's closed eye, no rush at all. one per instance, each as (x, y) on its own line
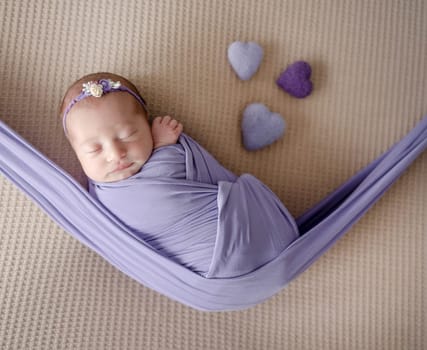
(128, 135)
(93, 150)
(122, 137)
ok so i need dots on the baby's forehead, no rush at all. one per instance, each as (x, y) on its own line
(82, 133)
(118, 107)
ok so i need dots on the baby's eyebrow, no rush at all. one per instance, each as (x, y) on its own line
(86, 141)
(122, 125)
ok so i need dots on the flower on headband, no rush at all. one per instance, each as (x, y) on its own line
(114, 84)
(97, 89)
(94, 89)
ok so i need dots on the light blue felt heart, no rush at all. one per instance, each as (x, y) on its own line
(245, 58)
(261, 127)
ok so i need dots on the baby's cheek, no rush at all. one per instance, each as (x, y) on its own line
(88, 168)
(142, 150)
(142, 156)
(91, 168)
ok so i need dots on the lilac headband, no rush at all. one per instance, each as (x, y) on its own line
(97, 89)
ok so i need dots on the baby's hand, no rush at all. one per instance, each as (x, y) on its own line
(165, 131)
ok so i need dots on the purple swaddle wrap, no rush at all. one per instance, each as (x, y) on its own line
(193, 210)
(190, 229)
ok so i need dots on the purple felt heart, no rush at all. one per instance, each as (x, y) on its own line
(295, 79)
(261, 127)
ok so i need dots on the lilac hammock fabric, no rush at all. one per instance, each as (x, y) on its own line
(190, 229)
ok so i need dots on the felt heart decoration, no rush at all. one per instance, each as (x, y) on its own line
(261, 127)
(245, 58)
(295, 79)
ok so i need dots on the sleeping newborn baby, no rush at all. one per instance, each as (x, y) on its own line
(168, 190)
(111, 136)
(160, 208)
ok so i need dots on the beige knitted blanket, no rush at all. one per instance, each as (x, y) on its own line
(370, 87)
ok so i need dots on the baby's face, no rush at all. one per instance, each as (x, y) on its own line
(111, 136)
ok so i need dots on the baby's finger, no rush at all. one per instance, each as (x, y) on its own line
(173, 123)
(166, 119)
(157, 120)
(179, 128)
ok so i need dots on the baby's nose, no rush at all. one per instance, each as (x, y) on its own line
(115, 152)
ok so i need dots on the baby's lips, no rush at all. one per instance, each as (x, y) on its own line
(123, 166)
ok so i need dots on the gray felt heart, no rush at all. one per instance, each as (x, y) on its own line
(261, 127)
(245, 58)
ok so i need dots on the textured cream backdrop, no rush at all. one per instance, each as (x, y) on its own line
(369, 61)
